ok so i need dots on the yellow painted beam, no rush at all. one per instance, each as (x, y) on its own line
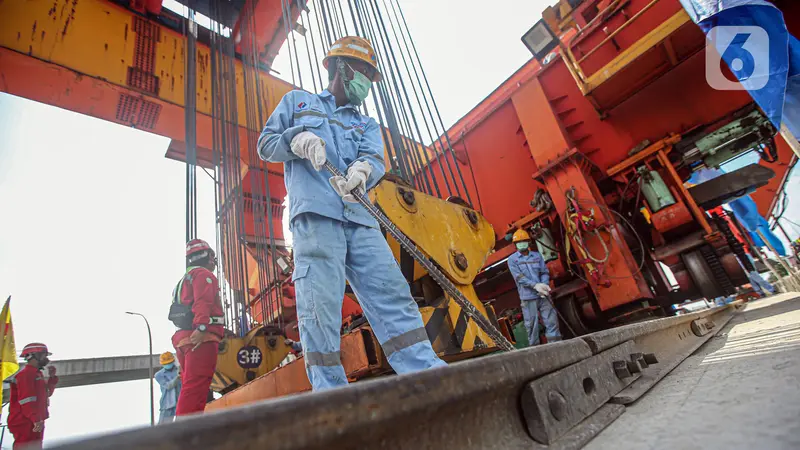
(103, 40)
(441, 229)
(642, 46)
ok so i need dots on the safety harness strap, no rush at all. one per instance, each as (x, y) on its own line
(176, 294)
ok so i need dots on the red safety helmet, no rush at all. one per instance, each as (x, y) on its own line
(197, 249)
(195, 246)
(34, 347)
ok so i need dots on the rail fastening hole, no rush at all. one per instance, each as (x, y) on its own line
(588, 385)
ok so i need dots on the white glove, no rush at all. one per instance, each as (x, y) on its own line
(357, 175)
(542, 288)
(308, 145)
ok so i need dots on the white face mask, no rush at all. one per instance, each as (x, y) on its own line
(523, 245)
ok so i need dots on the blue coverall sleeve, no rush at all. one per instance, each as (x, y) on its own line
(516, 272)
(371, 151)
(544, 274)
(174, 382)
(161, 379)
(276, 138)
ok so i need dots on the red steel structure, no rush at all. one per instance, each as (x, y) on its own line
(632, 76)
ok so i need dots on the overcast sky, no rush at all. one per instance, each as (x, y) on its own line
(93, 214)
(93, 226)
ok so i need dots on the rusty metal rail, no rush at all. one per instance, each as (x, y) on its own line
(554, 396)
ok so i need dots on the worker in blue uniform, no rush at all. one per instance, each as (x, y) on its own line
(169, 378)
(334, 236)
(533, 284)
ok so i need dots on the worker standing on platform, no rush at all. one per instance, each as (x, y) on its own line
(533, 284)
(30, 397)
(170, 381)
(334, 237)
(197, 312)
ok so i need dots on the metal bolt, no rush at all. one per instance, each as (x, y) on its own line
(621, 369)
(461, 261)
(408, 196)
(558, 405)
(472, 216)
(650, 358)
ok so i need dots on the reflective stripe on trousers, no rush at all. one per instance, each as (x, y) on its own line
(326, 252)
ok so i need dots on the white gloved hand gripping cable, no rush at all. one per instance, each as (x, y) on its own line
(308, 145)
(357, 175)
(542, 288)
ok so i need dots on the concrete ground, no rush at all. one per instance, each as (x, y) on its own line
(741, 390)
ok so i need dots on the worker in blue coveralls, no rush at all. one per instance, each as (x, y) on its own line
(169, 378)
(334, 236)
(533, 284)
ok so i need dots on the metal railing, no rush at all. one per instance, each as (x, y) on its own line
(573, 63)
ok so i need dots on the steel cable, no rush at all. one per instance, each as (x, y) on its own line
(433, 101)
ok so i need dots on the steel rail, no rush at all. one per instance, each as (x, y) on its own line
(558, 395)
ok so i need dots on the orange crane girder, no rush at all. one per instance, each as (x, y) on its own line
(549, 145)
(100, 59)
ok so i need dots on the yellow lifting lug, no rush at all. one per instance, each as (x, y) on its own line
(456, 237)
(242, 359)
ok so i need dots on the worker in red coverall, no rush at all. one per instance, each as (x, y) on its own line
(30, 396)
(197, 345)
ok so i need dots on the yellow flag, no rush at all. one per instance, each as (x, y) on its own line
(8, 354)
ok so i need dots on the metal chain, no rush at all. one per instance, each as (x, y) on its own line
(440, 278)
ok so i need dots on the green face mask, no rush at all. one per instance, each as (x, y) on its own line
(523, 245)
(356, 89)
